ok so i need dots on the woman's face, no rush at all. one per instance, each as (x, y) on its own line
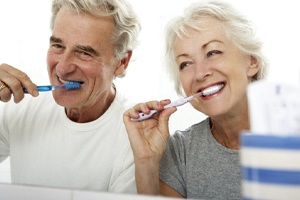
(207, 58)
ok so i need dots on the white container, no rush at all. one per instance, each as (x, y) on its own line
(270, 167)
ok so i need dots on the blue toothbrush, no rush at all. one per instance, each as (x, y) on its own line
(72, 85)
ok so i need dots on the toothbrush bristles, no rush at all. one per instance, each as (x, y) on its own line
(211, 90)
(72, 85)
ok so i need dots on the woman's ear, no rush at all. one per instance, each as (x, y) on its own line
(254, 66)
(123, 64)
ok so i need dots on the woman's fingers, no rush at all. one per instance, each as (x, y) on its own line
(146, 108)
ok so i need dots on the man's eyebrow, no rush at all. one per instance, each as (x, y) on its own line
(88, 49)
(55, 39)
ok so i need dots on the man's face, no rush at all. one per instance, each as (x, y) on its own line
(81, 50)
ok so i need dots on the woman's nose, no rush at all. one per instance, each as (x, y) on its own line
(202, 71)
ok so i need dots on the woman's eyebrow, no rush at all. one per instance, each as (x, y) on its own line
(211, 42)
(181, 55)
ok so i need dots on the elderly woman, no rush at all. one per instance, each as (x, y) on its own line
(211, 45)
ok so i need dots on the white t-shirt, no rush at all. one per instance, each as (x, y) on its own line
(48, 149)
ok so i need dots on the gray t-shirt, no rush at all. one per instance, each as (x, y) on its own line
(199, 167)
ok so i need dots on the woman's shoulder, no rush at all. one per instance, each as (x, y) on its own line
(197, 129)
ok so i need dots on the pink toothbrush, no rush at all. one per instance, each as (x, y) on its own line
(180, 102)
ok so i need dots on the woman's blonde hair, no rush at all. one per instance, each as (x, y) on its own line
(238, 28)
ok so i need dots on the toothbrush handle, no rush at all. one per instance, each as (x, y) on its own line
(152, 112)
(179, 102)
(45, 88)
(41, 88)
(144, 116)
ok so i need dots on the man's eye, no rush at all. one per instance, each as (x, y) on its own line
(214, 52)
(84, 55)
(56, 47)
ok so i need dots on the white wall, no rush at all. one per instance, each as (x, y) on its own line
(25, 32)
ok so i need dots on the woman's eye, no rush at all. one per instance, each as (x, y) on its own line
(214, 52)
(184, 65)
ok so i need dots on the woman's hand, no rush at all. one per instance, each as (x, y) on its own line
(12, 82)
(148, 139)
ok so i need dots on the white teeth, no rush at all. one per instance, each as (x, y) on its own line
(63, 81)
(212, 90)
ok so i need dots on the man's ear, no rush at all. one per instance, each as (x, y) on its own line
(123, 64)
(254, 66)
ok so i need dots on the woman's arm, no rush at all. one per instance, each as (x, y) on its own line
(148, 141)
(166, 190)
